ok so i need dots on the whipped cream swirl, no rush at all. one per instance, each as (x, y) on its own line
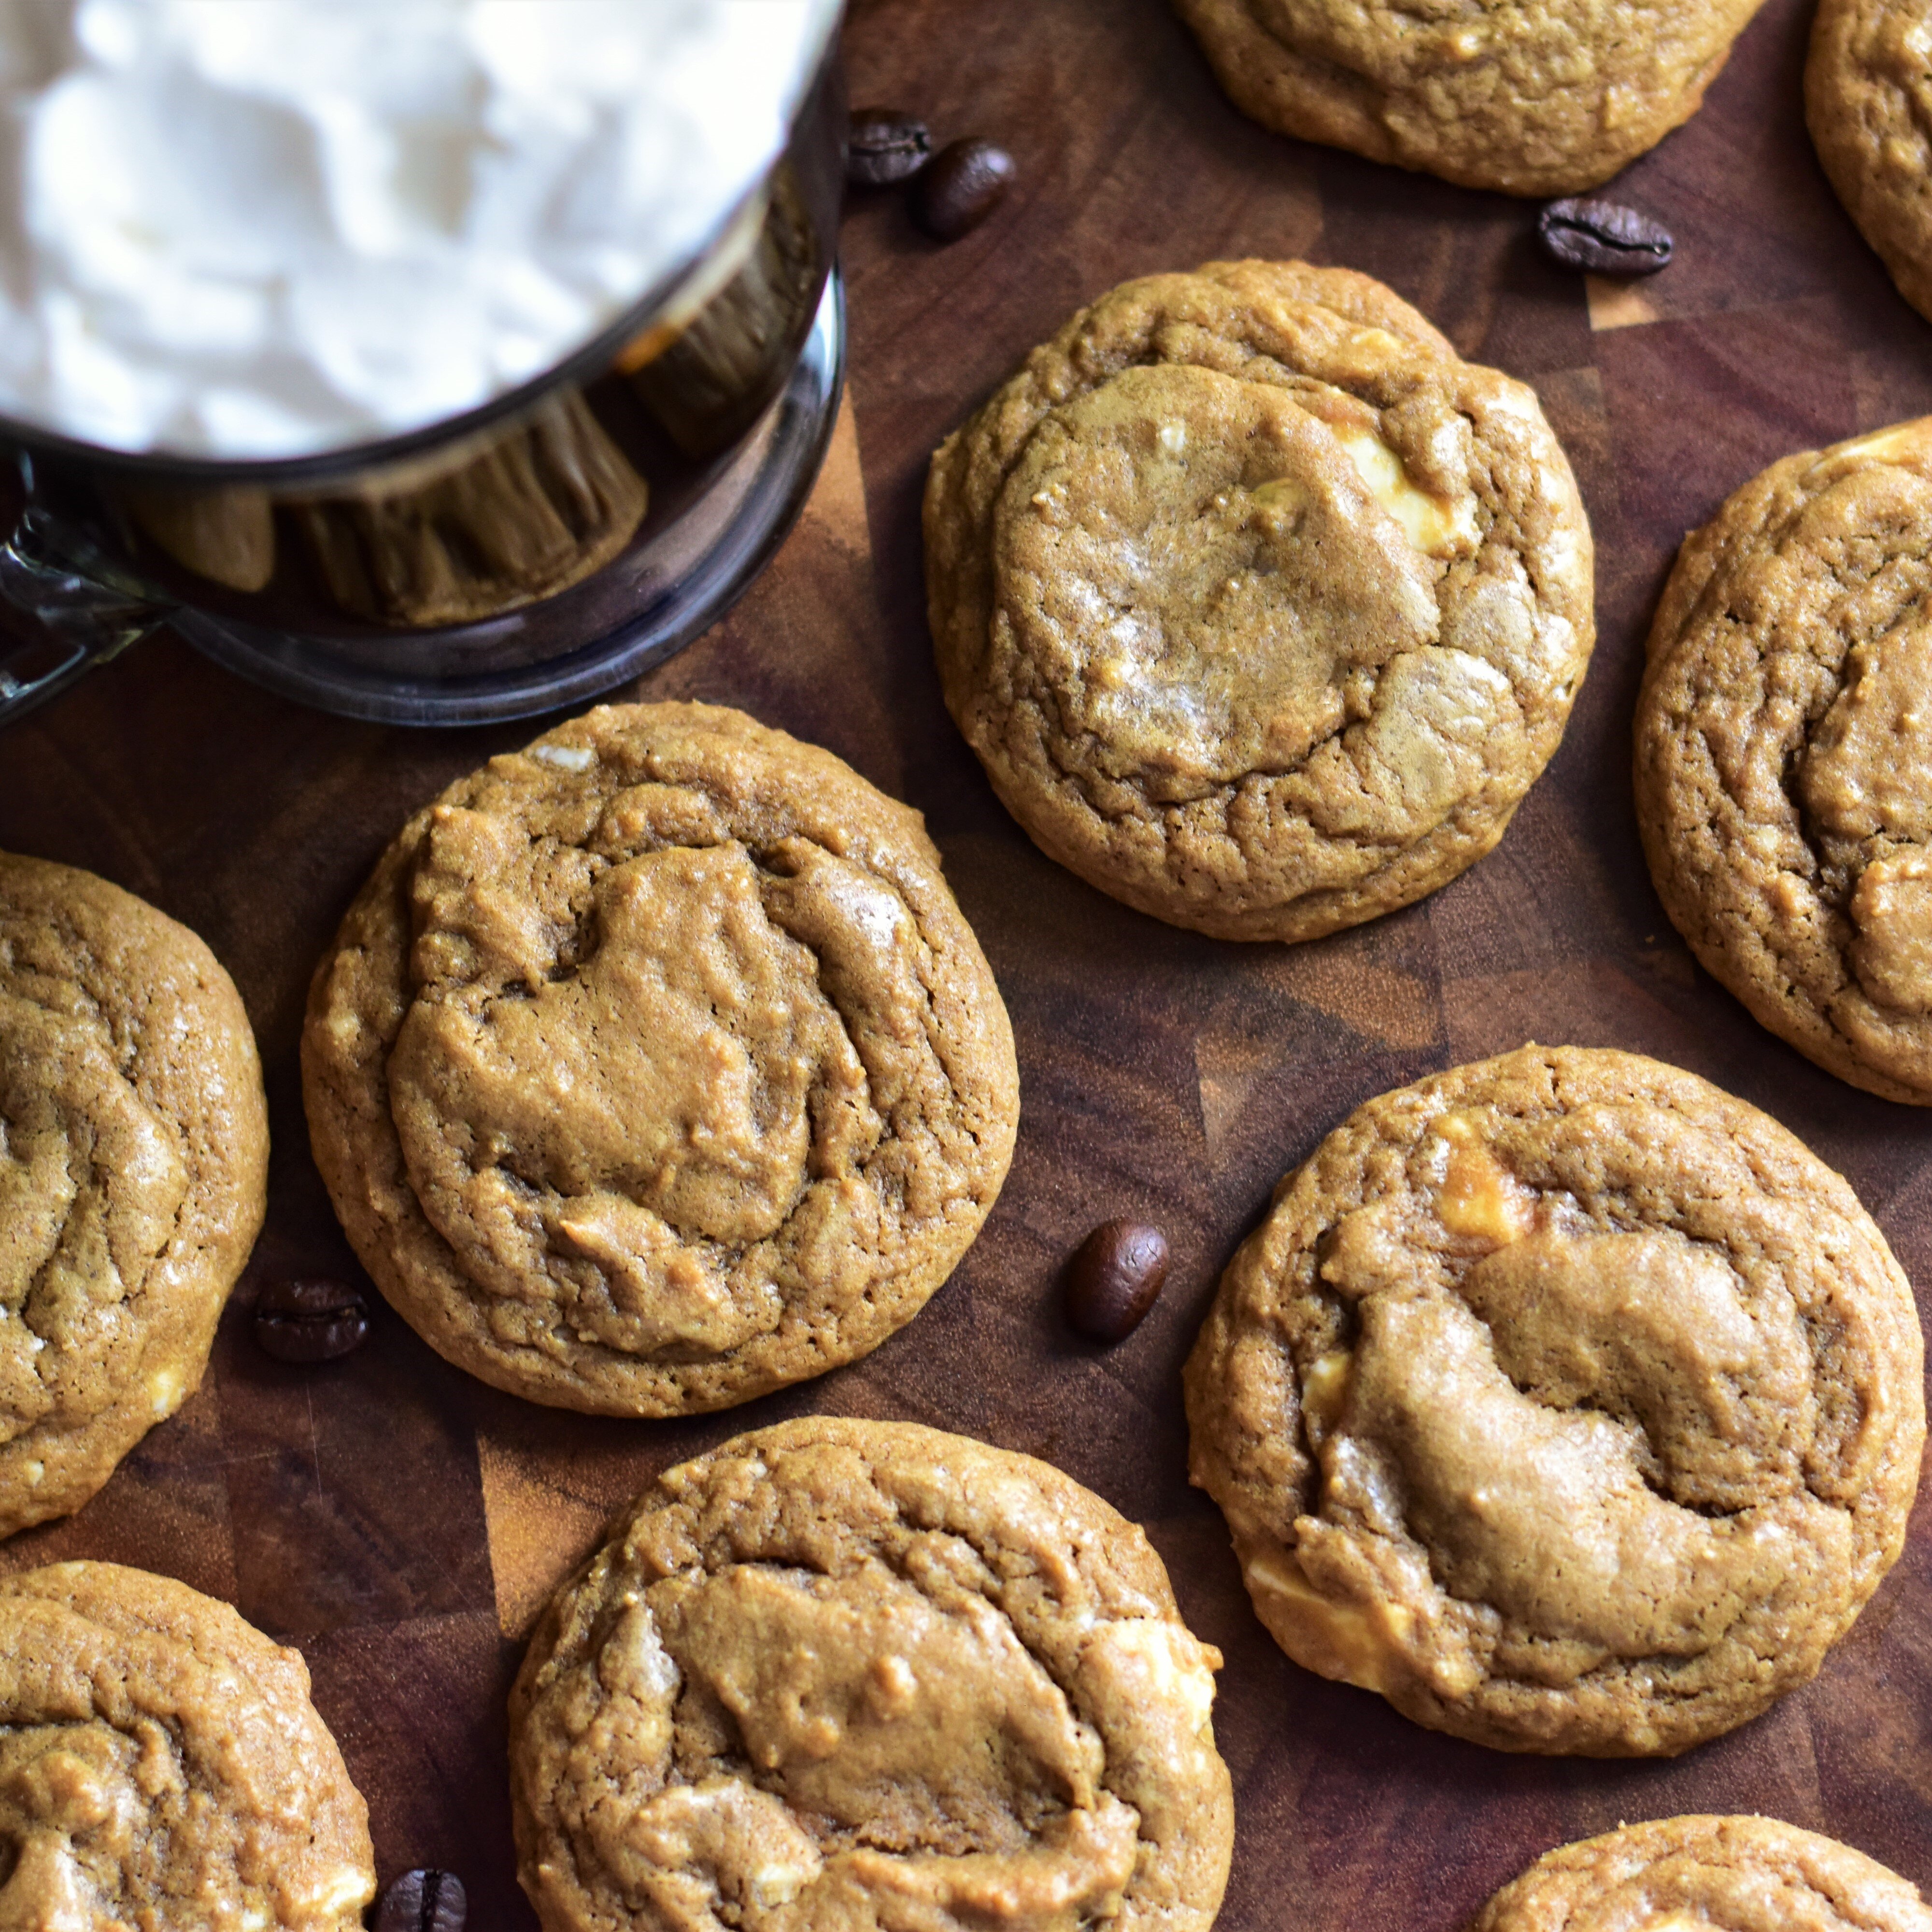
(266, 228)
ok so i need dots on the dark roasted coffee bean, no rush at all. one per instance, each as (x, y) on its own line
(1114, 1278)
(310, 1321)
(1603, 238)
(882, 145)
(423, 1901)
(960, 186)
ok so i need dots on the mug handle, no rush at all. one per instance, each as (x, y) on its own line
(81, 608)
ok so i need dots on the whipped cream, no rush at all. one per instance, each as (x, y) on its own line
(268, 228)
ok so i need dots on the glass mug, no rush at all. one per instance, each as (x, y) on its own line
(526, 555)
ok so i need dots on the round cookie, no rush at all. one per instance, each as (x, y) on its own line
(1677, 1874)
(655, 1066)
(1261, 609)
(848, 1673)
(161, 1764)
(1564, 1400)
(1531, 99)
(1784, 754)
(134, 1175)
(1868, 104)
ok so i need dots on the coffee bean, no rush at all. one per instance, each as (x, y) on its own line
(1603, 238)
(423, 1901)
(1114, 1278)
(960, 186)
(882, 145)
(310, 1321)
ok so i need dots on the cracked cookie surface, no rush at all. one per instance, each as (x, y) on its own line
(1748, 1874)
(161, 1764)
(1564, 1400)
(850, 1674)
(134, 1175)
(1784, 753)
(1868, 104)
(656, 1067)
(1261, 608)
(1530, 99)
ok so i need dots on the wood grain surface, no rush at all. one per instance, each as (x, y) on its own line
(400, 1522)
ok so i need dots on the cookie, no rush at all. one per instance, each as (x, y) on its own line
(1564, 1400)
(134, 1174)
(161, 1764)
(1746, 1874)
(1868, 104)
(1531, 100)
(1261, 609)
(655, 1066)
(1784, 754)
(845, 1673)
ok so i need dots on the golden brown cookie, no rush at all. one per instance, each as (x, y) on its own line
(655, 1066)
(1567, 1402)
(1784, 753)
(1262, 610)
(1682, 1874)
(1868, 103)
(133, 1174)
(854, 1674)
(161, 1765)
(1531, 99)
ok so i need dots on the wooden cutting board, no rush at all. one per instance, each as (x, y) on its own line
(400, 1522)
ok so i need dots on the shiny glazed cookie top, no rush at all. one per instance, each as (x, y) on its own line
(1262, 609)
(671, 1060)
(133, 1147)
(1784, 753)
(844, 1673)
(1566, 1401)
(160, 1764)
(1868, 103)
(1675, 1874)
(1497, 93)
(1155, 551)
